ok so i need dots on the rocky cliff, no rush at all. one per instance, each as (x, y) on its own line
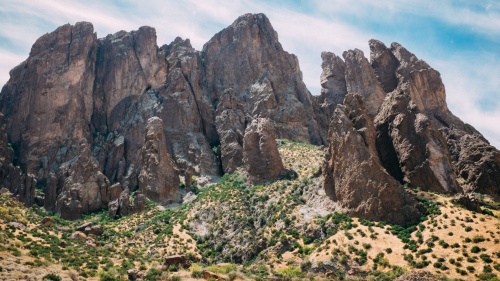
(77, 110)
(393, 127)
(76, 121)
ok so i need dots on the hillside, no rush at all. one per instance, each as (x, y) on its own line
(241, 231)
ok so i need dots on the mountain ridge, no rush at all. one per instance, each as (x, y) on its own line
(80, 99)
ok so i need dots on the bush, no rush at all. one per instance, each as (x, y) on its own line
(197, 274)
(153, 274)
(52, 277)
(475, 249)
(107, 277)
(486, 258)
(175, 278)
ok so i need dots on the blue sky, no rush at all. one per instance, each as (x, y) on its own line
(461, 39)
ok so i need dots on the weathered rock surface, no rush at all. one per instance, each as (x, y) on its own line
(354, 176)
(48, 100)
(361, 80)
(76, 113)
(333, 83)
(418, 140)
(83, 188)
(261, 157)
(421, 150)
(158, 179)
(248, 58)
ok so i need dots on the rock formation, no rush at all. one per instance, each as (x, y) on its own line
(417, 140)
(261, 157)
(158, 179)
(76, 113)
(354, 176)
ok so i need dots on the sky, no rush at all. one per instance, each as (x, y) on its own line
(459, 38)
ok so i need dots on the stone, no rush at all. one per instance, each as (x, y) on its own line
(475, 161)
(422, 153)
(261, 157)
(264, 78)
(177, 261)
(158, 179)
(469, 201)
(230, 123)
(207, 275)
(55, 83)
(17, 225)
(333, 83)
(84, 226)
(361, 80)
(78, 235)
(47, 221)
(83, 187)
(375, 195)
(134, 274)
(384, 64)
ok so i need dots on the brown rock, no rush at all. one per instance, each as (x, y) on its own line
(139, 203)
(83, 187)
(351, 153)
(333, 83)
(158, 179)
(177, 261)
(50, 193)
(475, 161)
(264, 78)
(261, 157)
(207, 275)
(469, 201)
(385, 65)
(230, 124)
(48, 99)
(361, 80)
(421, 150)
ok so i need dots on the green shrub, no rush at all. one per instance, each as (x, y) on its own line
(197, 274)
(153, 274)
(52, 277)
(475, 249)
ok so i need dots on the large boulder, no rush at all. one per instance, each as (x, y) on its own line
(261, 157)
(158, 179)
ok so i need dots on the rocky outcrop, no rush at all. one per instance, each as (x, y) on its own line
(475, 161)
(158, 179)
(418, 140)
(422, 153)
(248, 58)
(230, 124)
(354, 176)
(261, 157)
(333, 83)
(361, 80)
(48, 100)
(82, 187)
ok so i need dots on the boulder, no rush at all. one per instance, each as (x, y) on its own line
(469, 201)
(261, 157)
(177, 261)
(158, 179)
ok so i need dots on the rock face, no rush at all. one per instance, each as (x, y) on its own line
(415, 138)
(76, 91)
(76, 115)
(158, 179)
(354, 176)
(333, 83)
(261, 157)
(247, 58)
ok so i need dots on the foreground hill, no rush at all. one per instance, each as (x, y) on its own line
(237, 230)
